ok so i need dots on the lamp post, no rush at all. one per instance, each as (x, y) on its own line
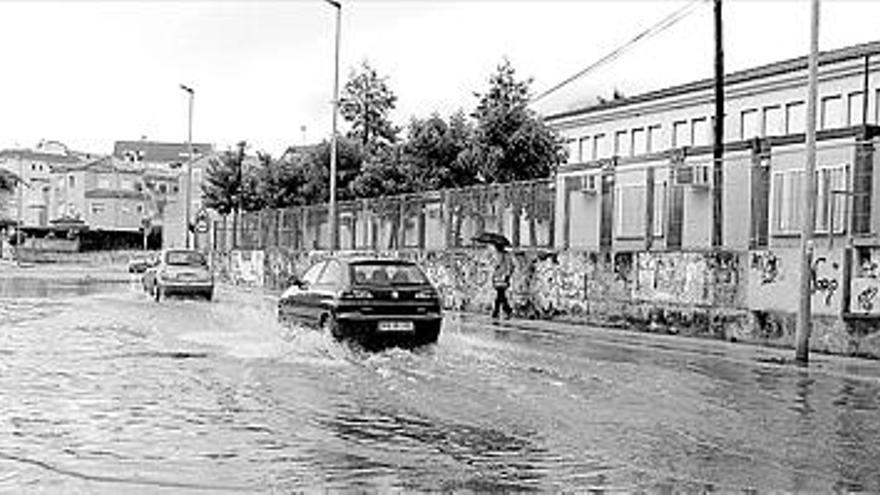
(334, 228)
(189, 145)
(20, 210)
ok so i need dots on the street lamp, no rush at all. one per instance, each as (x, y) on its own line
(189, 145)
(334, 228)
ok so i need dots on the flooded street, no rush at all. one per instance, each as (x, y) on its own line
(105, 390)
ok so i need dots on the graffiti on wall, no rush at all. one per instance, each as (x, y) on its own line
(673, 277)
(545, 283)
(823, 278)
(247, 267)
(767, 264)
(864, 299)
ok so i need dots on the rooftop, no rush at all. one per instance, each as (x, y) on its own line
(155, 151)
(772, 69)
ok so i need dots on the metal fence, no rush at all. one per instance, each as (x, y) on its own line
(435, 220)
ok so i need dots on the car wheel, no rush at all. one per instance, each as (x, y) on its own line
(209, 295)
(330, 325)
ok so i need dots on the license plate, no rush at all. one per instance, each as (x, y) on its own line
(396, 326)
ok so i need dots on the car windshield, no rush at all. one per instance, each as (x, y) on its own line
(190, 258)
(386, 274)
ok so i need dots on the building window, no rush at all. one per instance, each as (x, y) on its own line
(600, 146)
(174, 189)
(773, 123)
(71, 181)
(139, 208)
(795, 117)
(877, 106)
(126, 184)
(749, 125)
(97, 208)
(854, 108)
(103, 183)
(654, 138)
(621, 144)
(639, 142)
(163, 188)
(630, 206)
(572, 151)
(700, 134)
(680, 134)
(584, 149)
(832, 116)
(787, 199)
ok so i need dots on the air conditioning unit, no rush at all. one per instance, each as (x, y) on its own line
(590, 184)
(694, 175)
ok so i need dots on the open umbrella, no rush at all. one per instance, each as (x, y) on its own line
(492, 238)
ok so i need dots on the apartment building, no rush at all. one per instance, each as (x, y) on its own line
(640, 177)
(107, 193)
(34, 167)
(640, 168)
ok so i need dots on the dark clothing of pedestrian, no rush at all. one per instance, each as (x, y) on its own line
(501, 302)
(501, 275)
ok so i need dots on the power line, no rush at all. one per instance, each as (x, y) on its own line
(657, 28)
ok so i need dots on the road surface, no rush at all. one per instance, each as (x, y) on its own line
(106, 391)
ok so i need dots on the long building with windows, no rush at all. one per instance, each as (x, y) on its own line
(640, 171)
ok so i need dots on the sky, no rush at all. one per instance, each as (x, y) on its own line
(90, 73)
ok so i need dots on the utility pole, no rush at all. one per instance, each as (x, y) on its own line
(718, 143)
(334, 228)
(804, 319)
(189, 162)
(20, 210)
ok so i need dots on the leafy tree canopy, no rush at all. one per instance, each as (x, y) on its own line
(365, 104)
(510, 141)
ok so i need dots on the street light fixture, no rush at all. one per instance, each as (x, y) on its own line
(189, 145)
(334, 227)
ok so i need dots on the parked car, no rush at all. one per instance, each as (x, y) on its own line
(179, 272)
(140, 264)
(366, 300)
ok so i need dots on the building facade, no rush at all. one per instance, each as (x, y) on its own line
(640, 177)
(31, 199)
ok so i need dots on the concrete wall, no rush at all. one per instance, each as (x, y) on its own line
(738, 296)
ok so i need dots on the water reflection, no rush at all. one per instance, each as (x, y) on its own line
(22, 287)
(502, 461)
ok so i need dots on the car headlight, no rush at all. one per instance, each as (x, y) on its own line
(426, 294)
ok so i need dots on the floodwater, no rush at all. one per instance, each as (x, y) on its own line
(105, 390)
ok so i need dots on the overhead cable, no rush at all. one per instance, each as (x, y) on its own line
(654, 30)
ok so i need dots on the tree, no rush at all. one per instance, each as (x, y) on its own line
(230, 184)
(365, 103)
(432, 149)
(510, 141)
(8, 181)
(303, 177)
(280, 182)
(383, 174)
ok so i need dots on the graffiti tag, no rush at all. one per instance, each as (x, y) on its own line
(768, 266)
(823, 284)
(866, 298)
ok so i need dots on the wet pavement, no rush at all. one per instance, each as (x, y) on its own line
(107, 391)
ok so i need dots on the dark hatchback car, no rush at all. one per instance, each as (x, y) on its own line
(371, 301)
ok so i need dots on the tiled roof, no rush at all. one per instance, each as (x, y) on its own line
(103, 164)
(115, 194)
(154, 151)
(51, 158)
(772, 69)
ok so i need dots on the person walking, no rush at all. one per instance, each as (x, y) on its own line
(501, 274)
